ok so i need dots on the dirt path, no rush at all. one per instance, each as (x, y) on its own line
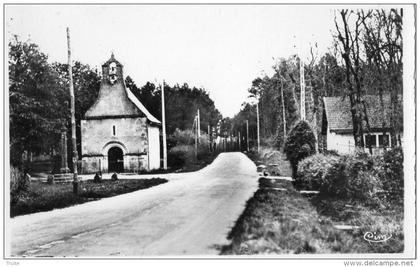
(190, 215)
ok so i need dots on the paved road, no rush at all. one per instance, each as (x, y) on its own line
(189, 215)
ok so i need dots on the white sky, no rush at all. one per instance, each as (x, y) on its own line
(219, 48)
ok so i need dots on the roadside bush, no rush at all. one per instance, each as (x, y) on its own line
(15, 175)
(183, 152)
(269, 141)
(391, 174)
(98, 177)
(19, 183)
(331, 153)
(179, 155)
(50, 179)
(176, 158)
(114, 177)
(312, 170)
(182, 137)
(56, 164)
(300, 143)
(187, 137)
(352, 177)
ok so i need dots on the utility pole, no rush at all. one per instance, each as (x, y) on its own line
(283, 110)
(258, 127)
(196, 138)
(73, 120)
(165, 155)
(64, 166)
(198, 124)
(209, 135)
(239, 138)
(247, 135)
(302, 91)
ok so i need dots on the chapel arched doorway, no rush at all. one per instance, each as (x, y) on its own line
(115, 160)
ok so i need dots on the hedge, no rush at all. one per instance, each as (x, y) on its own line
(312, 171)
(300, 143)
(391, 173)
(357, 176)
(352, 176)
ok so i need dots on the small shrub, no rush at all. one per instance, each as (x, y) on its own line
(312, 170)
(391, 174)
(270, 141)
(23, 182)
(331, 153)
(300, 143)
(15, 180)
(353, 177)
(176, 159)
(50, 179)
(114, 177)
(182, 137)
(183, 150)
(15, 176)
(56, 164)
(335, 180)
(187, 137)
(20, 183)
(181, 155)
(98, 177)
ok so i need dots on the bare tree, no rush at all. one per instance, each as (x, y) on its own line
(280, 99)
(383, 41)
(351, 48)
(375, 58)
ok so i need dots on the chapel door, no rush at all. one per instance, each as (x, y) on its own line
(115, 160)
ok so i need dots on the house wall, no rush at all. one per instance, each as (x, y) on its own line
(342, 143)
(131, 135)
(154, 147)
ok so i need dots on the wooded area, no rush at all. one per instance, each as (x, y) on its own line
(365, 59)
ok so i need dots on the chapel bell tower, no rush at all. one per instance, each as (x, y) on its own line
(112, 71)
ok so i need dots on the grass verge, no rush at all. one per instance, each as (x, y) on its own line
(281, 222)
(44, 197)
(284, 221)
(370, 218)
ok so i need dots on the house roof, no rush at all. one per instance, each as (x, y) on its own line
(140, 106)
(338, 114)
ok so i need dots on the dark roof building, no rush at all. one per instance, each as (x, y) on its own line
(338, 114)
(337, 125)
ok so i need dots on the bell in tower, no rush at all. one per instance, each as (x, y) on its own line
(112, 71)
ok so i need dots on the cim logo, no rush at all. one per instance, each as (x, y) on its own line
(376, 238)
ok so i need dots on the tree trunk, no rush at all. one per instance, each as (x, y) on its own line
(394, 109)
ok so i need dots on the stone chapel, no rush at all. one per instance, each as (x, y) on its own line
(118, 132)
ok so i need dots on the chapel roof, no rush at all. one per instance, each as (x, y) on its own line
(117, 100)
(110, 60)
(140, 106)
